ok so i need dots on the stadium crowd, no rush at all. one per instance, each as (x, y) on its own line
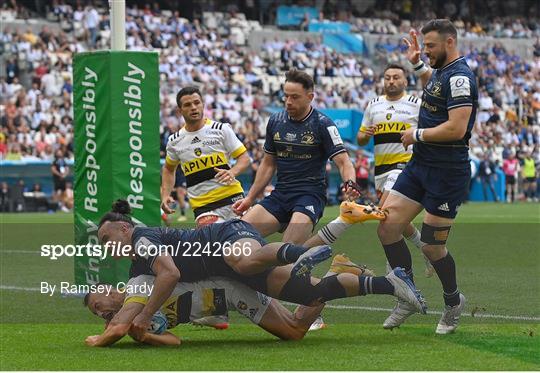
(36, 112)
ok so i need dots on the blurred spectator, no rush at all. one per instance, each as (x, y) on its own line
(91, 23)
(529, 178)
(16, 197)
(67, 197)
(36, 188)
(12, 70)
(4, 197)
(60, 171)
(511, 171)
(486, 172)
(362, 168)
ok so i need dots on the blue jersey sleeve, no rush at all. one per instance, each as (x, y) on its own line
(460, 89)
(147, 245)
(269, 146)
(331, 139)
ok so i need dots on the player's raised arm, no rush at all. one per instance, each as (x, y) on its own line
(413, 55)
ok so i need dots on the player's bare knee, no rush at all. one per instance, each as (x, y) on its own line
(434, 252)
(388, 231)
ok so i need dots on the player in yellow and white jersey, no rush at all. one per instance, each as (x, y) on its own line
(384, 118)
(203, 149)
(194, 301)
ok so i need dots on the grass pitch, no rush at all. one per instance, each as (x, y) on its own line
(496, 248)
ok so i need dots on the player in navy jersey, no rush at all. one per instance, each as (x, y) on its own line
(190, 255)
(438, 175)
(299, 142)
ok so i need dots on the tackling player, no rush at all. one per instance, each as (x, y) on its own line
(202, 299)
(212, 298)
(203, 149)
(166, 253)
(384, 118)
(438, 175)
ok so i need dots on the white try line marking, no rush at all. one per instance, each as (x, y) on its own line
(344, 307)
(479, 315)
(19, 252)
(7, 287)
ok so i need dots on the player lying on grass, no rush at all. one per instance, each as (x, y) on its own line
(195, 301)
(192, 302)
(173, 261)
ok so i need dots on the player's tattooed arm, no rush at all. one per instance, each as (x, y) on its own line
(117, 328)
(167, 275)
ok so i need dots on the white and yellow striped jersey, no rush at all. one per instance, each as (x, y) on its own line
(389, 119)
(194, 300)
(198, 153)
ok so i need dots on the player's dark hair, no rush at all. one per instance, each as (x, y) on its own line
(300, 77)
(186, 91)
(120, 212)
(442, 26)
(86, 298)
(394, 66)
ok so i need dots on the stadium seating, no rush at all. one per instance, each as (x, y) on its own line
(241, 78)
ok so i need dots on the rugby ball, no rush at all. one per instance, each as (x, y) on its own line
(159, 323)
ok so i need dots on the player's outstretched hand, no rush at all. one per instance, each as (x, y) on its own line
(413, 51)
(224, 176)
(407, 137)
(242, 205)
(165, 205)
(139, 326)
(91, 340)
